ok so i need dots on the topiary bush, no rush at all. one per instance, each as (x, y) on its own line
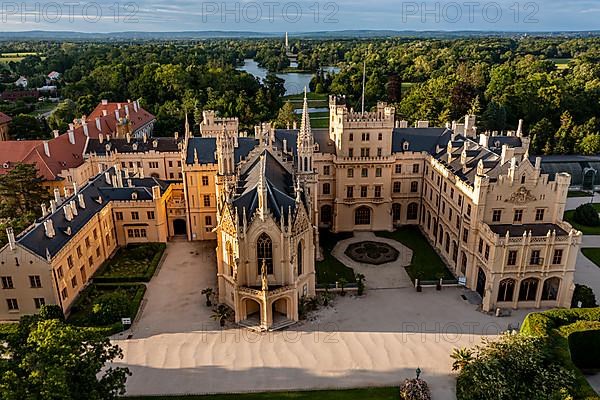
(51, 311)
(585, 295)
(110, 307)
(585, 349)
(415, 389)
(586, 215)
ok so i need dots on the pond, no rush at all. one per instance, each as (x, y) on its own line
(295, 82)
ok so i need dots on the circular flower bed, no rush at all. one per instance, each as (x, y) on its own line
(372, 253)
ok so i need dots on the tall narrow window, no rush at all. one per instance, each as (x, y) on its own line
(264, 252)
(299, 258)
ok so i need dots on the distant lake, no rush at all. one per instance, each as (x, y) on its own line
(294, 82)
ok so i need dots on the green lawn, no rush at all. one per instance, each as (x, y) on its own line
(319, 120)
(386, 393)
(425, 261)
(587, 230)
(561, 63)
(578, 193)
(133, 263)
(330, 270)
(593, 254)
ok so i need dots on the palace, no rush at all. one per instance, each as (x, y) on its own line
(487, 208)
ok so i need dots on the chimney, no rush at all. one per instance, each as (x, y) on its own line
(57, 195)
(104, 113)
(56, 133)
(71, 126)
(86, 131)
(66, 192)
(128, 136)
(44, 209)
(104, 102)
(136, 106)
(114, 182)
(470, 130)
(484, 140)
(46, 148)
(538, 163)
(127, 110)
(98, 125)
(49, 228)
(11, 237)
(53, 206)
(155, 192)
(284, 146)
(403, 124)
(68, 212)
(145, 136)
(295, 124)
(71, 134)
(73, 205)
(117, 114)
(75, 189)
(107, 177)
(422, 124)
(100, 138)
(118, 106)
(119, 179)
(81, 200)
(520, 129)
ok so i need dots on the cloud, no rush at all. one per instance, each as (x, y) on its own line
(300, 15)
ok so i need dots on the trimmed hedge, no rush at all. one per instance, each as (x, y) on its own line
(104, 276)
(585, 349)
(81, 310)
(7, 329)
(556, 326)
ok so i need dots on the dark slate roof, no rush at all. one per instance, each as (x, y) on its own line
(97, 194)
(320, 135)
(163, 144)
(207, 147)
(574, 165)
(536, 229)
(419, 139)
(279, 184)
(495, 143)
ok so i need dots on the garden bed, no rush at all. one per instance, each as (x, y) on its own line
(133, 263)
(102, 306)
(372, 253)
(593, 254)
(426, 264)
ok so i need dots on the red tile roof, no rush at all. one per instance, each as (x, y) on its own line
(138, 118)
(63, 154)
(4, 119)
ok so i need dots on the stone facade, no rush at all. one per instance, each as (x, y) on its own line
(486, 208)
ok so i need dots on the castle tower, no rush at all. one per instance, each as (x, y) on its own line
(226, 165)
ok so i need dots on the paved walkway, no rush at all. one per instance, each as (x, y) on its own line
(389, 275)
(379, 339)
(574, 202)
(586, 272)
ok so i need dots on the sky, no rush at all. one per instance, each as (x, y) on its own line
(299, 15)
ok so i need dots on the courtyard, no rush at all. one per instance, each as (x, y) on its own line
(377, 340)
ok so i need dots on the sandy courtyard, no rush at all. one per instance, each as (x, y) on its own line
(376, 340)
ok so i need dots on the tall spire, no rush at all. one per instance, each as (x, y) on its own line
(305, 124)
(187, 126)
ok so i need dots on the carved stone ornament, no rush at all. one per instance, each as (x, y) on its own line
(521, 196)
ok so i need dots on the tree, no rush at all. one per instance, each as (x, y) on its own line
(62, 115)
(21, 193)
(590, 145)
(27, 127)
(286, 116)
(514, 367)
(48, 359)
(586, 215)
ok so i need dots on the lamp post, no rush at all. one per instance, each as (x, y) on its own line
(418, 371)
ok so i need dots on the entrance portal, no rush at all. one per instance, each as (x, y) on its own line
(179, 227)
(481, 282)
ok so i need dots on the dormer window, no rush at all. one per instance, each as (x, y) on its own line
(134, 196)
(405, 146)
(523, 180)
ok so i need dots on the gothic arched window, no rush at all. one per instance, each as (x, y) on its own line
(264, 251)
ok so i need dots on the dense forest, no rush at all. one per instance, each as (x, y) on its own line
(551, 83)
